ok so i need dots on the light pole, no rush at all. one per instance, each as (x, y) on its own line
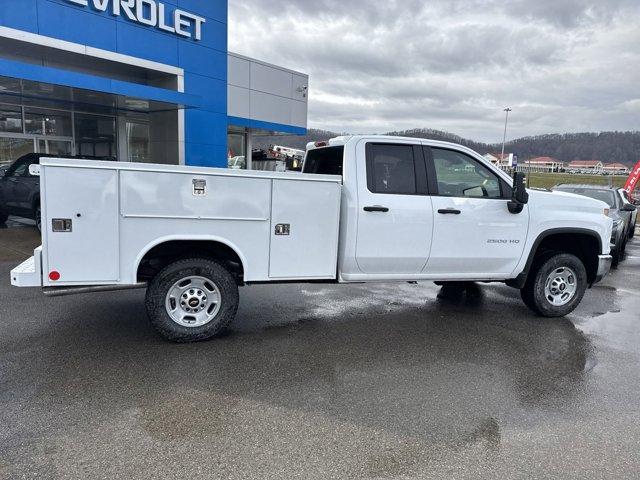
(504, 138)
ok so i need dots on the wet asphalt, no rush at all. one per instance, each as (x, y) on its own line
(315, 381)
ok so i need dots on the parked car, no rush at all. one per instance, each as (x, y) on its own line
(620, 213)
(626, 198)
(20, 191)
(364, 209)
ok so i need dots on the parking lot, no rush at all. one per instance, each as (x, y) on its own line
(318, 381)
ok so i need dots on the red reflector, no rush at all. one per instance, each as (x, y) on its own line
(54, 276)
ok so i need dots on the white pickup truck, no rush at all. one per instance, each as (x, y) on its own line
(365, 209)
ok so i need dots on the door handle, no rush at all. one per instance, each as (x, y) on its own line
(449, 211)
(376, 208)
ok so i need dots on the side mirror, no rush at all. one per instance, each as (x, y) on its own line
(629, 207)
(519, 197)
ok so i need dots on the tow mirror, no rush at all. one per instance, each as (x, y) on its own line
(519, 197)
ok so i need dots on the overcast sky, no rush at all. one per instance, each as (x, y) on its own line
(376, 66)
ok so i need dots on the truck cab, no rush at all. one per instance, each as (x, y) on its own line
(429, 210)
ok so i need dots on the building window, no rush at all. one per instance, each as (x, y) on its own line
(13, 148)
(237, 155)
(95, 135)
(138, 142)
(53, 123)
(10, 119)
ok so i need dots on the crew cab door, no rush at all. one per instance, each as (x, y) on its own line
(474, 233)
(395, 216)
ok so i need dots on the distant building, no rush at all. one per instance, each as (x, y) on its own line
(542, 164)
(499, 160)
(616, 168)
(586, 166)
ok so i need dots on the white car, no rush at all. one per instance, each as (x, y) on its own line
(364, 209)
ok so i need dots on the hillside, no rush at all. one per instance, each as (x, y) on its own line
(609, 147)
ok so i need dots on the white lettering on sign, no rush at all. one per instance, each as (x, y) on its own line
(151, 13)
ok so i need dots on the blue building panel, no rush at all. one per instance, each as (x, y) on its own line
(20, 14)
(203, 60)
(60, 21)
(213, 92)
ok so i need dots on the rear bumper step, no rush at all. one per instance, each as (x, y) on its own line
(29, 272)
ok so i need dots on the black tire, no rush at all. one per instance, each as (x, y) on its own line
(4, 216)
(533, 293)
(632, 231)
(158, 290)
(37, 216)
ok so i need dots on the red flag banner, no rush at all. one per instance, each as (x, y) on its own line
(633, 179)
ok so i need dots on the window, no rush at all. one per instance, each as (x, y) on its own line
(95, 135)
(48, 122)
(138, 142)
(236, 156)
(10, 119)
(324, 161)
(459, 175)
(20, 169)
(13, 148)
(391, 169)
(606, 196)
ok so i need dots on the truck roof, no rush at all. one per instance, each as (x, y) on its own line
(586, 186)
(343, 139)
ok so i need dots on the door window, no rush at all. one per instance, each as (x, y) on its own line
(391, 169)
(459, 175)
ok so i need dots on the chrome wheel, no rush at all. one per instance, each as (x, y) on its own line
(193, 301)
(561, 286)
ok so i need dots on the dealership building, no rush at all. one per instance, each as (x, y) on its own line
(136, 81)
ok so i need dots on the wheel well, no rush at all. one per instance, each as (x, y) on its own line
(165, 253)
(584, 246)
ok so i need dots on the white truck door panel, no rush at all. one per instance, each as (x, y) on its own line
(474, 234)
(394, 230)
(90, 252)
(304, 229)
(483, 239)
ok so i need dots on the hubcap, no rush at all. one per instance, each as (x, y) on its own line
(561, 286)
(193, 301)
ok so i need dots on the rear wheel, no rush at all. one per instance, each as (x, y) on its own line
(555, 286)
(192, 300)
(37, 216)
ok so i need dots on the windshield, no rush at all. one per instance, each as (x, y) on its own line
(325, 161)
(606, 196)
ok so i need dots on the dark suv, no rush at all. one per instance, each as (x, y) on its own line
(20, 191)
(619, 211)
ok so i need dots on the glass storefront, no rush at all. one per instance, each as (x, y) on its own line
(138, 142)
(236, 141)
(30, 129)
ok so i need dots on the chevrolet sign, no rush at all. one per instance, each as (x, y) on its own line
(151, 13)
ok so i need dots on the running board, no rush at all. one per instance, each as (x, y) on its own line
(64, 291)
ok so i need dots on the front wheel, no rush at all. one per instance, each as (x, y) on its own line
(192, 300)
(555, 286)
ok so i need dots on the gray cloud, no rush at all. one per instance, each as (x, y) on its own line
(562, 65)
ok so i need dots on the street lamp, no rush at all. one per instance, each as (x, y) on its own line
(504, 138)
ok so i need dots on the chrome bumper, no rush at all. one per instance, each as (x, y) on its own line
(604, 266)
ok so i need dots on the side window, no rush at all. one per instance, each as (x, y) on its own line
(459, 175)
(391, 169)
(19, 170)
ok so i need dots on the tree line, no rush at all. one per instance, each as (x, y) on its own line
(608, 147)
